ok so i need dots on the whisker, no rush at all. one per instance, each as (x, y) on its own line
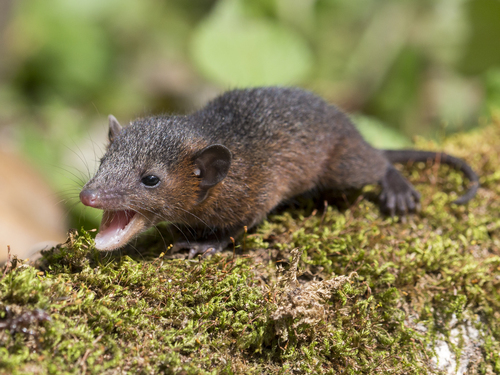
(212, 230)
(80, 155)
(132, 204)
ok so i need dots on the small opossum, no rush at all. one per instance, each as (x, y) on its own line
(227, 165)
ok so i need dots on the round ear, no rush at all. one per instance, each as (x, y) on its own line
(114, 128)
(212, 164)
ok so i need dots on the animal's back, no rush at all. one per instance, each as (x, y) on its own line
(262, 117)
(288, 132)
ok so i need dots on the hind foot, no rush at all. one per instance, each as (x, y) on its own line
(398, 194)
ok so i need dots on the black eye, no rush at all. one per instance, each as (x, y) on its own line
(150, 180)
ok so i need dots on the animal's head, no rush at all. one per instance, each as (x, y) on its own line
(153, 170)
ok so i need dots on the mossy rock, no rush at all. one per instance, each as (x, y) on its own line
(325, 291)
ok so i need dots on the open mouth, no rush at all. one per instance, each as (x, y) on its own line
(117, 228)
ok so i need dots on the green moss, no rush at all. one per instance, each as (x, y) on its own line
(354, 292)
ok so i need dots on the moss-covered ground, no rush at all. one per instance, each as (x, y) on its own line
(320, 291)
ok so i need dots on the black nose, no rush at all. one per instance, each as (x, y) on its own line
(89, 198)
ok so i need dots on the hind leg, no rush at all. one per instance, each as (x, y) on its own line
(355, 164)
(398, 194)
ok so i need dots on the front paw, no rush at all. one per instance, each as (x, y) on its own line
(398, 195)
(205, 249)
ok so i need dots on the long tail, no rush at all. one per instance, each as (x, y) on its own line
(405, 156)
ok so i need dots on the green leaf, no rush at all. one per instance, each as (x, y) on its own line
(378, 134)
(234, 49)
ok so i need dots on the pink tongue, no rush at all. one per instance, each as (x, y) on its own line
(116, 221)
(112, 228)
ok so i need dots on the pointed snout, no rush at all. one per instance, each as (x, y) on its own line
(90, 198)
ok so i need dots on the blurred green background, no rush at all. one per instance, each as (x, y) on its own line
(428, 67)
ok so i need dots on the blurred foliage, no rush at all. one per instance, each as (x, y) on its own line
(407, 67)
(234, 48)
